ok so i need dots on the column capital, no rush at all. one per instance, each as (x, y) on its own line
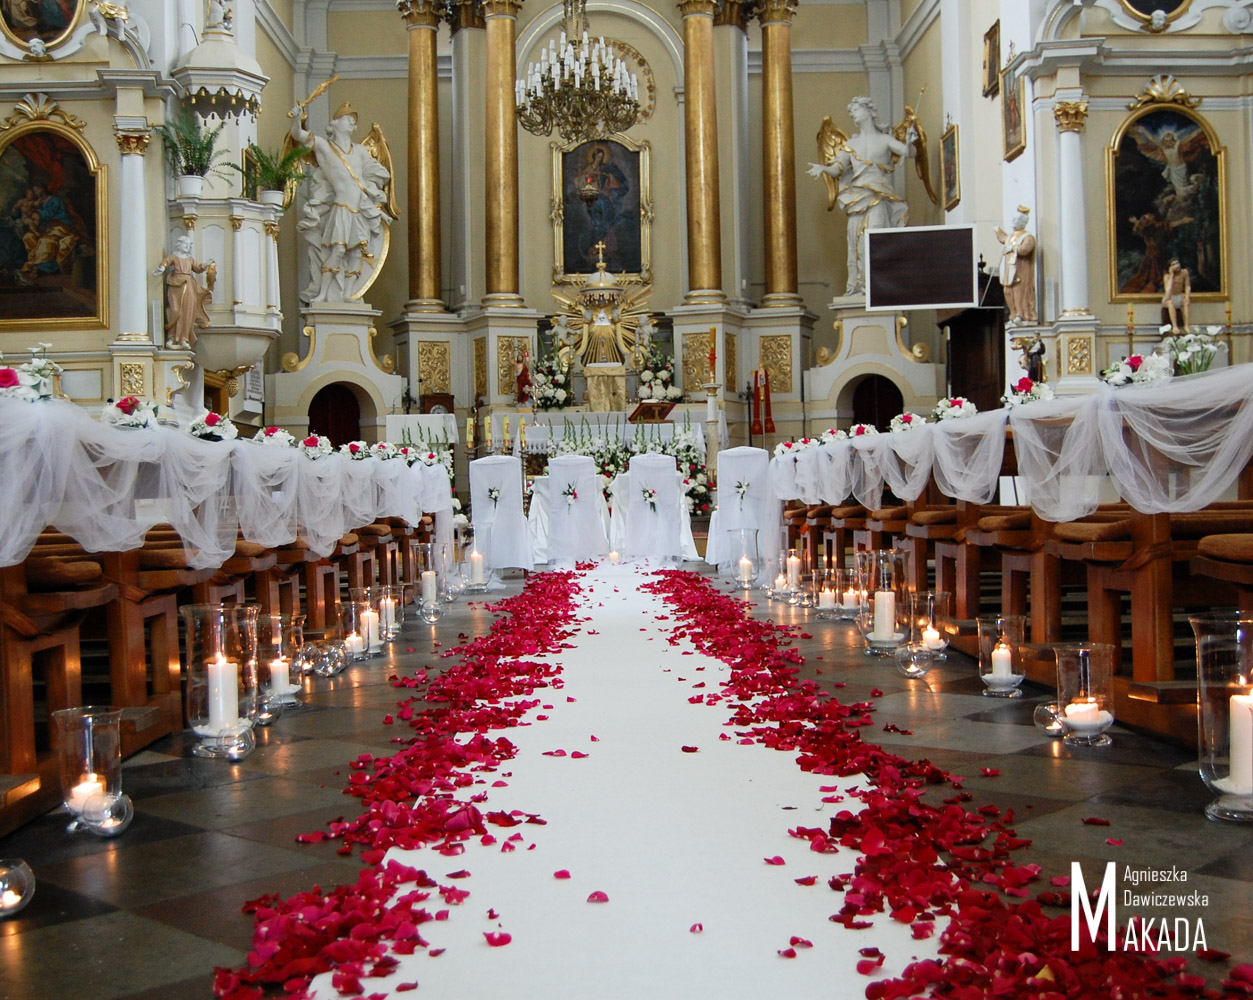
(1070, 115)
(699, 8)
(733, 13)
(501, 8)
(776, 11)
(422, 13)
(463, 14)
(237, 222)
(132, 143)
(271, 229)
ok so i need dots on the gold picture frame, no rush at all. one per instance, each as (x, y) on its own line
(602, 194)
(1142, 10)
(1153, 216)
(48, 25)
(992, 60)
(1013, 114)
(950, 168)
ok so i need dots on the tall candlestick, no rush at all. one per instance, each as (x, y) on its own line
(469, 434)
(370, 628)
(387, 612)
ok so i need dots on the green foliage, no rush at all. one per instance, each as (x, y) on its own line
(270, 171)
(191, 147)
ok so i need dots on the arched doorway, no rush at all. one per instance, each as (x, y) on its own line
(335, 412)
(876, 400)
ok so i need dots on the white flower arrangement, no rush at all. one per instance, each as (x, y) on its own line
(656, 379)
(1192, 352)
(794, 447)
(953, 408)
(862, 430)
(213, 427)
(32, 380)
(384, 450)
(129, 411)
(409, 454)
(1138, 368)
(493, 494)
(358, 451)
(548, 383)
(650, 498)
(832, 434)
(571, 494)
(275, 437)
(1026, 391)
(906, 422)
(316, 446)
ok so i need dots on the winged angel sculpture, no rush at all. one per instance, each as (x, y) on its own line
(858, 173)
(350, 206)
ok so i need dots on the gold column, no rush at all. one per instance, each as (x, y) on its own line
(700, 121)
(422, 18)
(779, 153)
(501, 192)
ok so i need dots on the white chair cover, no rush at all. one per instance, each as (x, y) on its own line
(500, 529)
(619, 499)
(652, 529)
(537, 519)
(576, 529)
(750, 466)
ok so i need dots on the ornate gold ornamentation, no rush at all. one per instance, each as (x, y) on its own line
(500, 8)
(1164, 89)
(1164, 19)
(647, 82)
(776, 10)
(131, 376)
(695, 362)
(237, 223)
(435, 365)
(480, 369)
(189, 222)
(731, 362)
(732, 13)
(178, 372)
(1078, 355)
(271, 230)
(507, 348)
(132, 143)
(464, 14)
(1070, 115)
(707, 7)
(40, 108)
(293, 362)
(421, 13)
(776, 358)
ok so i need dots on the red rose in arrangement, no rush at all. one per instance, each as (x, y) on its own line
(8, 378)
(127, 404)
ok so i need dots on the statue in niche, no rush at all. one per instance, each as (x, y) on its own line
(858, 172)
(185, 297)
(349, 208)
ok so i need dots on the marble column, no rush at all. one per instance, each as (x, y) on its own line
(133, 263)
(501, 189)
(700, 121)
(1072, 220)
(422, 19)
(779, 153)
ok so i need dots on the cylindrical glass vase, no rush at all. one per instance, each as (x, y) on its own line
(745, 562)
(889, 614)
(932, 621)
(1000, 654)
(1224, 659)
(88, 745)
(359, 629)
(220, 668)
(280, 663)
(1084, 693)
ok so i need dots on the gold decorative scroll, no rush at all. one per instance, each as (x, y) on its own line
(40, 108)
(695, 362)
(434, 366)
(731, 361)
(1078, 355)
(132, 378)
(480, 368)
(776, 358)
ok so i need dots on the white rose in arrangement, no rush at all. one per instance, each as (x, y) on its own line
(561, 395)
(674, 392)
(646, 375)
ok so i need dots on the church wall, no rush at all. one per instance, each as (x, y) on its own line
(822, 27)
(369, 33)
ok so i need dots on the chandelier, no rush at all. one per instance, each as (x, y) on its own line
(582, 92)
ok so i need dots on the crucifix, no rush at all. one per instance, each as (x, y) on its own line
(599, 247)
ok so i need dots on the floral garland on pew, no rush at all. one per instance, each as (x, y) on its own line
(919, 863)
(411, 799)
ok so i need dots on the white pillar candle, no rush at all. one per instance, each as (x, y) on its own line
(746, 569)
(614, 558)
(355, 644)
(387, 612)
(931, 638)
(370, 626)
(84, 790)
(1083, 711)
(826, 599)
(850, 599)
(1241, 750)
(884, 615)
(476, 567)
(780, 583)
(430, 583)
(711, 408)
(223, 675)
(279, 682)
(794, 572)
(1002, 661)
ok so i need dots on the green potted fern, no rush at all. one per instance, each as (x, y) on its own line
(268, 176)
(191, 151)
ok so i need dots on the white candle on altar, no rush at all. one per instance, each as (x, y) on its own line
(794, 572)
(84, 790)
(355, 644)
(430, 584)
(614, 558)
(826, 599)
(1002, 661)
(223, 677)
(1241, 750)
(746, 569)
(931, 638)
(370, 626)
(476, 567)
(884, 615)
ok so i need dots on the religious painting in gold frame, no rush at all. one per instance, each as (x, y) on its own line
(1166, 197)
(54, 209)
(950, 169)
(1142, 10)
(51, 21)
(1013, 114)
(601, 194)
(992, 60)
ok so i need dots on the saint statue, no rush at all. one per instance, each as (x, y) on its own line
(522, 378)
(349, 207)
(859, 171)
(1018, 270)
(1177, 296)
(185, 297)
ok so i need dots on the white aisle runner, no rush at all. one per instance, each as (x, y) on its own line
(673, 838)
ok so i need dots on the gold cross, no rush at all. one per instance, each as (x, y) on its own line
(600, 252)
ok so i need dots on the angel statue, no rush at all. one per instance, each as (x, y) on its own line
(858, 174)
(349, 208)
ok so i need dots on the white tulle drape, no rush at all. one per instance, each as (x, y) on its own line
(107, 486)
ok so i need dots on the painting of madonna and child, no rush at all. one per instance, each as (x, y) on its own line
(1167, 204)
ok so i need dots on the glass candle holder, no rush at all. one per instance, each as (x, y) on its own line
(1084, 695)
(280, 665)
(326, 658)
(431, 612)
(884, 602)
(359, 629)
(932, 621)
(1000, 654)
(17, 886)
(478, 572)
(1224, 659)
(391, 609)
(1048, 719)
(914, 659)
(742, 546)
(793, 568)
(829, 595)
(220, 670)
(88, 745)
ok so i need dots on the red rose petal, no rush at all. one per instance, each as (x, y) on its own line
(1095, 821)
(561, 873)
(696, 928)
(788, 953)
(497, 939)
(690, 749)
(598, 897)
(807, 880)
(776, 860)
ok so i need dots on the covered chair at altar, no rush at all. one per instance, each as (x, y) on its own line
(500, 527)
(576, 525)
(651, 501)
(745, 500)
